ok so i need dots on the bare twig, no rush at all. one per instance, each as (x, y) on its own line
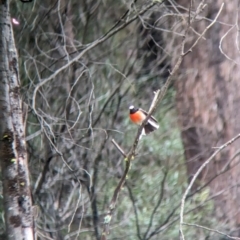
(119, 148)
(225, 168)
(206, 29)
(221, 41)
(135, 211)
(157, 205)
(195, 177)
(211, 230)
(154, 99)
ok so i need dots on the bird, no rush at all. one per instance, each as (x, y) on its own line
(138, 115)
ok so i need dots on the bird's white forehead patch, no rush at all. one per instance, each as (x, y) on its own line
(131, 107)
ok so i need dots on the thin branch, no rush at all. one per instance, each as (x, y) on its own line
(119, 148)
(135, 211)
(167, 224)
(195, 177)
(211, 230)
(206, 29)
(221, 41)
(225, 168)
(157, 205)
(92, 193)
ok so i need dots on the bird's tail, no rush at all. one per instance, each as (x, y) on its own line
(149, 127)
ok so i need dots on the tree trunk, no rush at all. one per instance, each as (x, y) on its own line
(208, 104)
(15, 176)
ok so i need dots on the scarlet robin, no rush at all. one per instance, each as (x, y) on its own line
(138, 115)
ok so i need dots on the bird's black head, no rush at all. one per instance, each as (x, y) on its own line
(132, 109)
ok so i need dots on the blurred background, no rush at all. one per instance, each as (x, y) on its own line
(128, 51)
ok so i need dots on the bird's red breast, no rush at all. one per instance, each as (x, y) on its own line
(137, 117)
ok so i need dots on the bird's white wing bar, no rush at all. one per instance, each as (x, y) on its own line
(153, 123)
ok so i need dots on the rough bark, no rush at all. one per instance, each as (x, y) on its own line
(13, 158)
(208, 105)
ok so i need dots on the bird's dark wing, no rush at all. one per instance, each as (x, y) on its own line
(154, 119)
